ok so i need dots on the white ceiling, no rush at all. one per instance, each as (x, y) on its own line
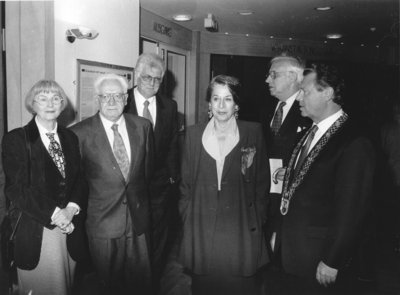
(295, 19)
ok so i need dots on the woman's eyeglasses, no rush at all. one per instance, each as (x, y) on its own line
(44, 101)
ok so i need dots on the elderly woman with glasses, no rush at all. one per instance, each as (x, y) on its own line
(224, 183)
(41, 162)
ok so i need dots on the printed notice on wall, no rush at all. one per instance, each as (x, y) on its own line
(88, 71)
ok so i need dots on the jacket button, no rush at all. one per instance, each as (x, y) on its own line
(251, 204)
(124, 202)
(253, 229)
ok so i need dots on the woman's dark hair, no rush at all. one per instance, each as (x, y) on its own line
(232, 83)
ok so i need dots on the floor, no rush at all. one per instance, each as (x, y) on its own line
(175, 282)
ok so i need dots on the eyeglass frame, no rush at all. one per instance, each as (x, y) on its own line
(275, 75)
(149, 79)
(45, 100)
(117, 97)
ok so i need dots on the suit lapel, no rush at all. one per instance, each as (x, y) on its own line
(291, 120)
(291, 181)
(229, 158)
(133, 141)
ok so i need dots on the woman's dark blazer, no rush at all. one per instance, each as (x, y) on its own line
(39, 192)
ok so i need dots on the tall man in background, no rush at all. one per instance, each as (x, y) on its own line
(283, 126)
(146, 102)
(117, 156)
(326, 192)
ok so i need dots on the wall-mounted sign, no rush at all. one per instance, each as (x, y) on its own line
(162, 29)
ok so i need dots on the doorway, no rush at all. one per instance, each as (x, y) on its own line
(175, 78)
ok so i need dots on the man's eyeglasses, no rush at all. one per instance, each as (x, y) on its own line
(274, 75)
(149, 79)
(44, 100)
(106, 98)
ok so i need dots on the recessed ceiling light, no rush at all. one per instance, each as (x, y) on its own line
(290, 38)
(323, 8)
(334, 36)
(362, 45)
(342, 43)
(246, 12)
(271, 37)
(372, 29)
(226, 33)
(182, 17)
(247, 35)
(377, 46)
(325, 41)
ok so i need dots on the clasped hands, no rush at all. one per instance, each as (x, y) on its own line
(63, 219)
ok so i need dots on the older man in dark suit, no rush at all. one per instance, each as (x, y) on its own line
(326, 191)
(117, 154)
(283, 126)
(146, 102)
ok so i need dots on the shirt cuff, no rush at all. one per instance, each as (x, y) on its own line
(74, 205)
(55, 212)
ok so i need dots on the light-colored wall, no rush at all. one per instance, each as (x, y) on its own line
(29, 53)
(36, 46)
(117, 22)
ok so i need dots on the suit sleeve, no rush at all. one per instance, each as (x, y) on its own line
(185, 182)
(79, 189)
(172, 154)
(353, 187)
(31, 198)
(262, 176)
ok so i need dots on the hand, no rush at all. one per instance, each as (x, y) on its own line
(272, 241)
(64, 217)
(326, 275)
(68, 229)
(279, 175)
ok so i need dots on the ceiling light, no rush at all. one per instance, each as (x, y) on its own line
(226, 33)
(247, 35)
(372, 29)
(290, 38)
(377, 46)
(334, 36)
(246, 12)
(182, 17)
(323, 8)
(342, 43)
(325, 41)
(271, 37)
(362, 45)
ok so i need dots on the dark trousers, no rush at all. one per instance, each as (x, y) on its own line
(122, 264)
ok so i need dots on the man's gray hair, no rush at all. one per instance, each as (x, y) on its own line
(110, 77)
(294, 65)
(151, 60)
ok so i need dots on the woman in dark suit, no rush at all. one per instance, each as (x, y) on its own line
(42, 166)
(225, 177)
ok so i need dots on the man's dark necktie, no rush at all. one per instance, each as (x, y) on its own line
(305, 148)
(120, 152)
(146, 112)
(56, 154)
(277, 121)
